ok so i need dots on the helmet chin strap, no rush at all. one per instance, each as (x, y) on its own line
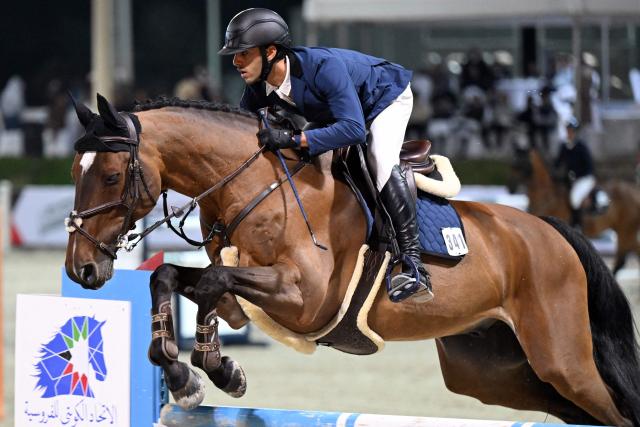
(266, 64)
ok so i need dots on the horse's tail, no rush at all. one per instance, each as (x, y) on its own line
(615, 348)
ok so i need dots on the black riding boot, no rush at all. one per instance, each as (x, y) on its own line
(576, 218)
(401, 207)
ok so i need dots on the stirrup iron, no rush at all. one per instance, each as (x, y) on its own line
(402, 285)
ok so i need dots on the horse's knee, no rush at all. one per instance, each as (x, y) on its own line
(163, 277)
(213, 284)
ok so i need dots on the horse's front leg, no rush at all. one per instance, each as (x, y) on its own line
(257, 284)
(185, 385)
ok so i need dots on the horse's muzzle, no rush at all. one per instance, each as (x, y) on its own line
(92, 275)
(88, 275)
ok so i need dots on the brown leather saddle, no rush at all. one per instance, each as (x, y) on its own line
(415, 153)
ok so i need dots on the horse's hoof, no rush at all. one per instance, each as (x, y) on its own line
(230, 378)
(192, 394)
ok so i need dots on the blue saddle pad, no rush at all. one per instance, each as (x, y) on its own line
(434, 215)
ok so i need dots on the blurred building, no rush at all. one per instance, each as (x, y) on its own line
(527, 44)
(153, 45)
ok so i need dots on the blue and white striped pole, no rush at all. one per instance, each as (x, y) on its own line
(207, 416)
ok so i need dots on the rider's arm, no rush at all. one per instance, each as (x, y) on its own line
(334, 84)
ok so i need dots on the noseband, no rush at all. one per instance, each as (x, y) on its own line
(129, 199)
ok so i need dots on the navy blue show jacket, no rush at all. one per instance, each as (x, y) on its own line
(338, 88)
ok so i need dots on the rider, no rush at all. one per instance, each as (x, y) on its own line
(342, 90)
(574, 158)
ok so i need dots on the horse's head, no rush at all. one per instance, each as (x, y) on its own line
(111, 192)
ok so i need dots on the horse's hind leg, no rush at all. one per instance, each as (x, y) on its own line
(554, 332)
(489, 365)
(620, 260)
(185, 385)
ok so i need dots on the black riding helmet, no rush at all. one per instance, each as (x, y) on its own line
(256, 27)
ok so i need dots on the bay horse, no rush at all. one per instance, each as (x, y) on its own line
(548, 196)
(530, 318)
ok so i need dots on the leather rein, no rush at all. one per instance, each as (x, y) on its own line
(135, 178)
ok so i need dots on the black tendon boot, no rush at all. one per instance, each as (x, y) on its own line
(402, 210)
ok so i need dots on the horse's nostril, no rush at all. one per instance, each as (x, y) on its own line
(88, 274)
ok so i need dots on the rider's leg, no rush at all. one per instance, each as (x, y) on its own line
(576, 218)
(401, 207)
(387, 135)
(579, 192)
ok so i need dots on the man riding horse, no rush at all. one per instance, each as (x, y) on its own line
(575, 162)
(344, 91)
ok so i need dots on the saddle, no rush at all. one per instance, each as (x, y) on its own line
(415, 153)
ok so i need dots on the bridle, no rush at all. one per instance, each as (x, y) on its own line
(135, 178)
(130, 195)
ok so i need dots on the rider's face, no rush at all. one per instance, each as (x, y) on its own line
(249, 64)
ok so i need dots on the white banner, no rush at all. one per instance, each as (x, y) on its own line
(72, 362)
(40, 211)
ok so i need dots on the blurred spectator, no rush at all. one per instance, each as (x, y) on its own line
(472, 122)
(499, 119)
(476, 72)
(12, 102)
(473, 103)
(564, 71)
(196, 86)
(545, 118)
(526, 119)
(501, 69)
(61, 127)
(422, 87)
(589, 92)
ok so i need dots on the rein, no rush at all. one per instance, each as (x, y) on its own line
(135, 176)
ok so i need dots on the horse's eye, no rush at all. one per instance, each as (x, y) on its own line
(113, 179)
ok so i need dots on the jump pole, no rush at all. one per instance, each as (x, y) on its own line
(172, 415)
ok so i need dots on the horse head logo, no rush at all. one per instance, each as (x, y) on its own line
(74, 356)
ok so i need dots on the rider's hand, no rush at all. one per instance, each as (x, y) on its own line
(275, 139)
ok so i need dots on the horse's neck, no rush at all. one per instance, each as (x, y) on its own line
(193, 155)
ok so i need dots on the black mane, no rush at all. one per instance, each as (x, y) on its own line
(161, 102)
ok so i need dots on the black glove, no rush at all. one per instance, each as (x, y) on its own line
(276, 139)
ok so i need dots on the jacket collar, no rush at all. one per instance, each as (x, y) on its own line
(296, 67)
(298, 86)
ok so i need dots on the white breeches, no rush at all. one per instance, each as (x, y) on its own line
(581, 189)
(387, 135)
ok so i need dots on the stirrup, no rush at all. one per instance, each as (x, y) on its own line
(402, 285)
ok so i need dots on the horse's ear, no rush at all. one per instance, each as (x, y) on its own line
(85, 115)
(109, 113)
